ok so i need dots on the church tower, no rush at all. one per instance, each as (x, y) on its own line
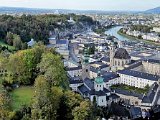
(85, 64)
(99, 83)
(99, 90)
(112, 53)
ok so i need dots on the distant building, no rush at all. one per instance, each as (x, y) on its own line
(31, 43)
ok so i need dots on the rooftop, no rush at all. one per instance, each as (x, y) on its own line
(152, 61)
(121, 53)
(140, 75)
(61, 41)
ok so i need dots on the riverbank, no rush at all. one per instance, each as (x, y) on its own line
(135, 38)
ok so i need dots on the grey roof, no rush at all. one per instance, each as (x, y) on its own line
(131, 62)
(152, 61)
(93, 69)
(75, 80)
(99, 93)
(106, 59)
(151, 94)
(83, 89)
(110, 77)
(134, 65)
(74, 68)
(114, 96)
(128, 93)
(135, 112)
(140, 75)
(61, 41)
(97, 62)
(89, 83)
(121, 53)
(103, 66)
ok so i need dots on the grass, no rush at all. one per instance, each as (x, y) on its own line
(11, 48)
(135, 38)
(131, 88)
(21, 96)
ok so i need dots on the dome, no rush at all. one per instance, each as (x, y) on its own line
(99, 80)
(121, 53)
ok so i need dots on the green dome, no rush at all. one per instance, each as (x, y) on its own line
(99, 80)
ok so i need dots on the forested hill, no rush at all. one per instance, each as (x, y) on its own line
(38, 26)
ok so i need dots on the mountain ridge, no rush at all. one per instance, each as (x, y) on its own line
(153, 10)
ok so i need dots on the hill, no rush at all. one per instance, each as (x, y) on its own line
(154, 10)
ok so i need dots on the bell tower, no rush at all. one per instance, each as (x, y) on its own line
(99, 83)
(85, 64)
(112, 53)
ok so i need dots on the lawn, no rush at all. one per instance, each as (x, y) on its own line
(21, 96)
(131, 88)
(11, 48)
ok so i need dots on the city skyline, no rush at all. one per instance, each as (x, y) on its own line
(105, 5)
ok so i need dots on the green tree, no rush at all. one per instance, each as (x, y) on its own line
(17, 43)
(9, 38)
(42, 99)
(82, 112)
(46, 100)
(53, 69)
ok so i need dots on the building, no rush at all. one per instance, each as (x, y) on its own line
(137, 79)
(96, 90)
(119, 58)
(85, 65)
(31, 43)
(74, 71)
(151, 66)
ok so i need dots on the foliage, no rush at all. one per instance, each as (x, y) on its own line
(131, 88)
(53, 69)
(21, 96)
(37, 27)
(4, 104)
(82, 112)
(42, 107)
(141, 28)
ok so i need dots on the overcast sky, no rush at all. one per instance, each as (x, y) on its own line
(84, 4)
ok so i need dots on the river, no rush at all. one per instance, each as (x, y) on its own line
(113, 31)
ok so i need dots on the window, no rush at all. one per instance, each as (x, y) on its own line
(122, 63)
(115, 62)
(102, 100)
(118, 63)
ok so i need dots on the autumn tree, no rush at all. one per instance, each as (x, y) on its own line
(4, 105)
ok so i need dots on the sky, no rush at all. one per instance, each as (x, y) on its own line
(108, 5)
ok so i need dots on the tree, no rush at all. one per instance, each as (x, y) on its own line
(42, 99)
(91, 50)
(17, 43)
(4, 105)
(24, 46)
(53, 69)
(82, 112)
(72, 100)
(9, 38)
(46, 100)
